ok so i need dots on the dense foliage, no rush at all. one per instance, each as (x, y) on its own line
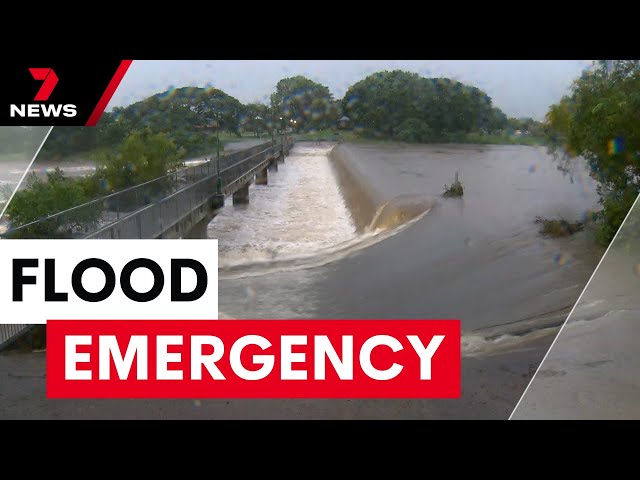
(142, 156)
(42, 198)
(405, 106)
(189, 116)
(304, 104)
(394, 105)
(600, 120)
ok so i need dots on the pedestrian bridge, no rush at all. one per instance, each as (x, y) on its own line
(178, 205)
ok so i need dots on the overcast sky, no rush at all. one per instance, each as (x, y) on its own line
(521, 88)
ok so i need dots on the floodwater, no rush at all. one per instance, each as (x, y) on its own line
(592, 370)
(363, 232)
(367, 234)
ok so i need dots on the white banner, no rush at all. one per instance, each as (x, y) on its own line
(108, 280)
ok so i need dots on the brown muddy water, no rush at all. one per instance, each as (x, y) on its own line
(362, 231)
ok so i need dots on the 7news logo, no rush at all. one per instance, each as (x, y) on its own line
(30, 110)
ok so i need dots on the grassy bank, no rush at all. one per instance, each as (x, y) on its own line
(501, 139)
(471, 138)
(94, 155)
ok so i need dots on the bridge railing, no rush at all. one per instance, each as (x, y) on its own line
(79, 221)
(155, 219)
(86, 219)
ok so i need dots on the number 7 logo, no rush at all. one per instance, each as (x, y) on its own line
(50, 81)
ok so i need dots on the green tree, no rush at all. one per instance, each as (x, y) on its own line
(496, 120)
(214, 106)
(414, 130)
(381, 103)
(600, 120)
(143, 156)
(255, 118)
(189, 116)
(303, 103)
(43, 198)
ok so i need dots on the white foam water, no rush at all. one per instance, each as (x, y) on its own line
(299, 220)
(298, 213)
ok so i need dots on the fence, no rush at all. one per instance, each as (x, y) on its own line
(149, 208)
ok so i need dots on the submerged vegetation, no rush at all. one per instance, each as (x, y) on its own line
(558, 227)
(455, 189)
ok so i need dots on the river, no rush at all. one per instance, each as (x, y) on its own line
(299, 250)
(362, 231)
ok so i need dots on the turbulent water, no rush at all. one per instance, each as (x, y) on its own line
(367, 234)
(300, 213)
(298, 221)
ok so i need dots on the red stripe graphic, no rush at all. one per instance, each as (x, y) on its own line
(108, 93)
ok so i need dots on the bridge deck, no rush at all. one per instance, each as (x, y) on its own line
(153, 209)
(162, 208)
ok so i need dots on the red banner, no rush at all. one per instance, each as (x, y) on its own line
(253, 359)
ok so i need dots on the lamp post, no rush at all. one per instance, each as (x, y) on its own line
(218, 177)
(282, 135)
(217, 136)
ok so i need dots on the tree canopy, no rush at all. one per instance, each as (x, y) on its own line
(389, 103)
(143, 156)
(600, 120)
(304, 104)
(189, 116)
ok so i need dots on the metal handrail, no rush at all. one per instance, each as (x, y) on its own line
(184, 171)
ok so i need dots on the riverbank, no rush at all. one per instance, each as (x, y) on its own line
(351, 136)
(84, 163)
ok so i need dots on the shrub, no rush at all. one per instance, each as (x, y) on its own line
(558, 227)
(455, 189)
